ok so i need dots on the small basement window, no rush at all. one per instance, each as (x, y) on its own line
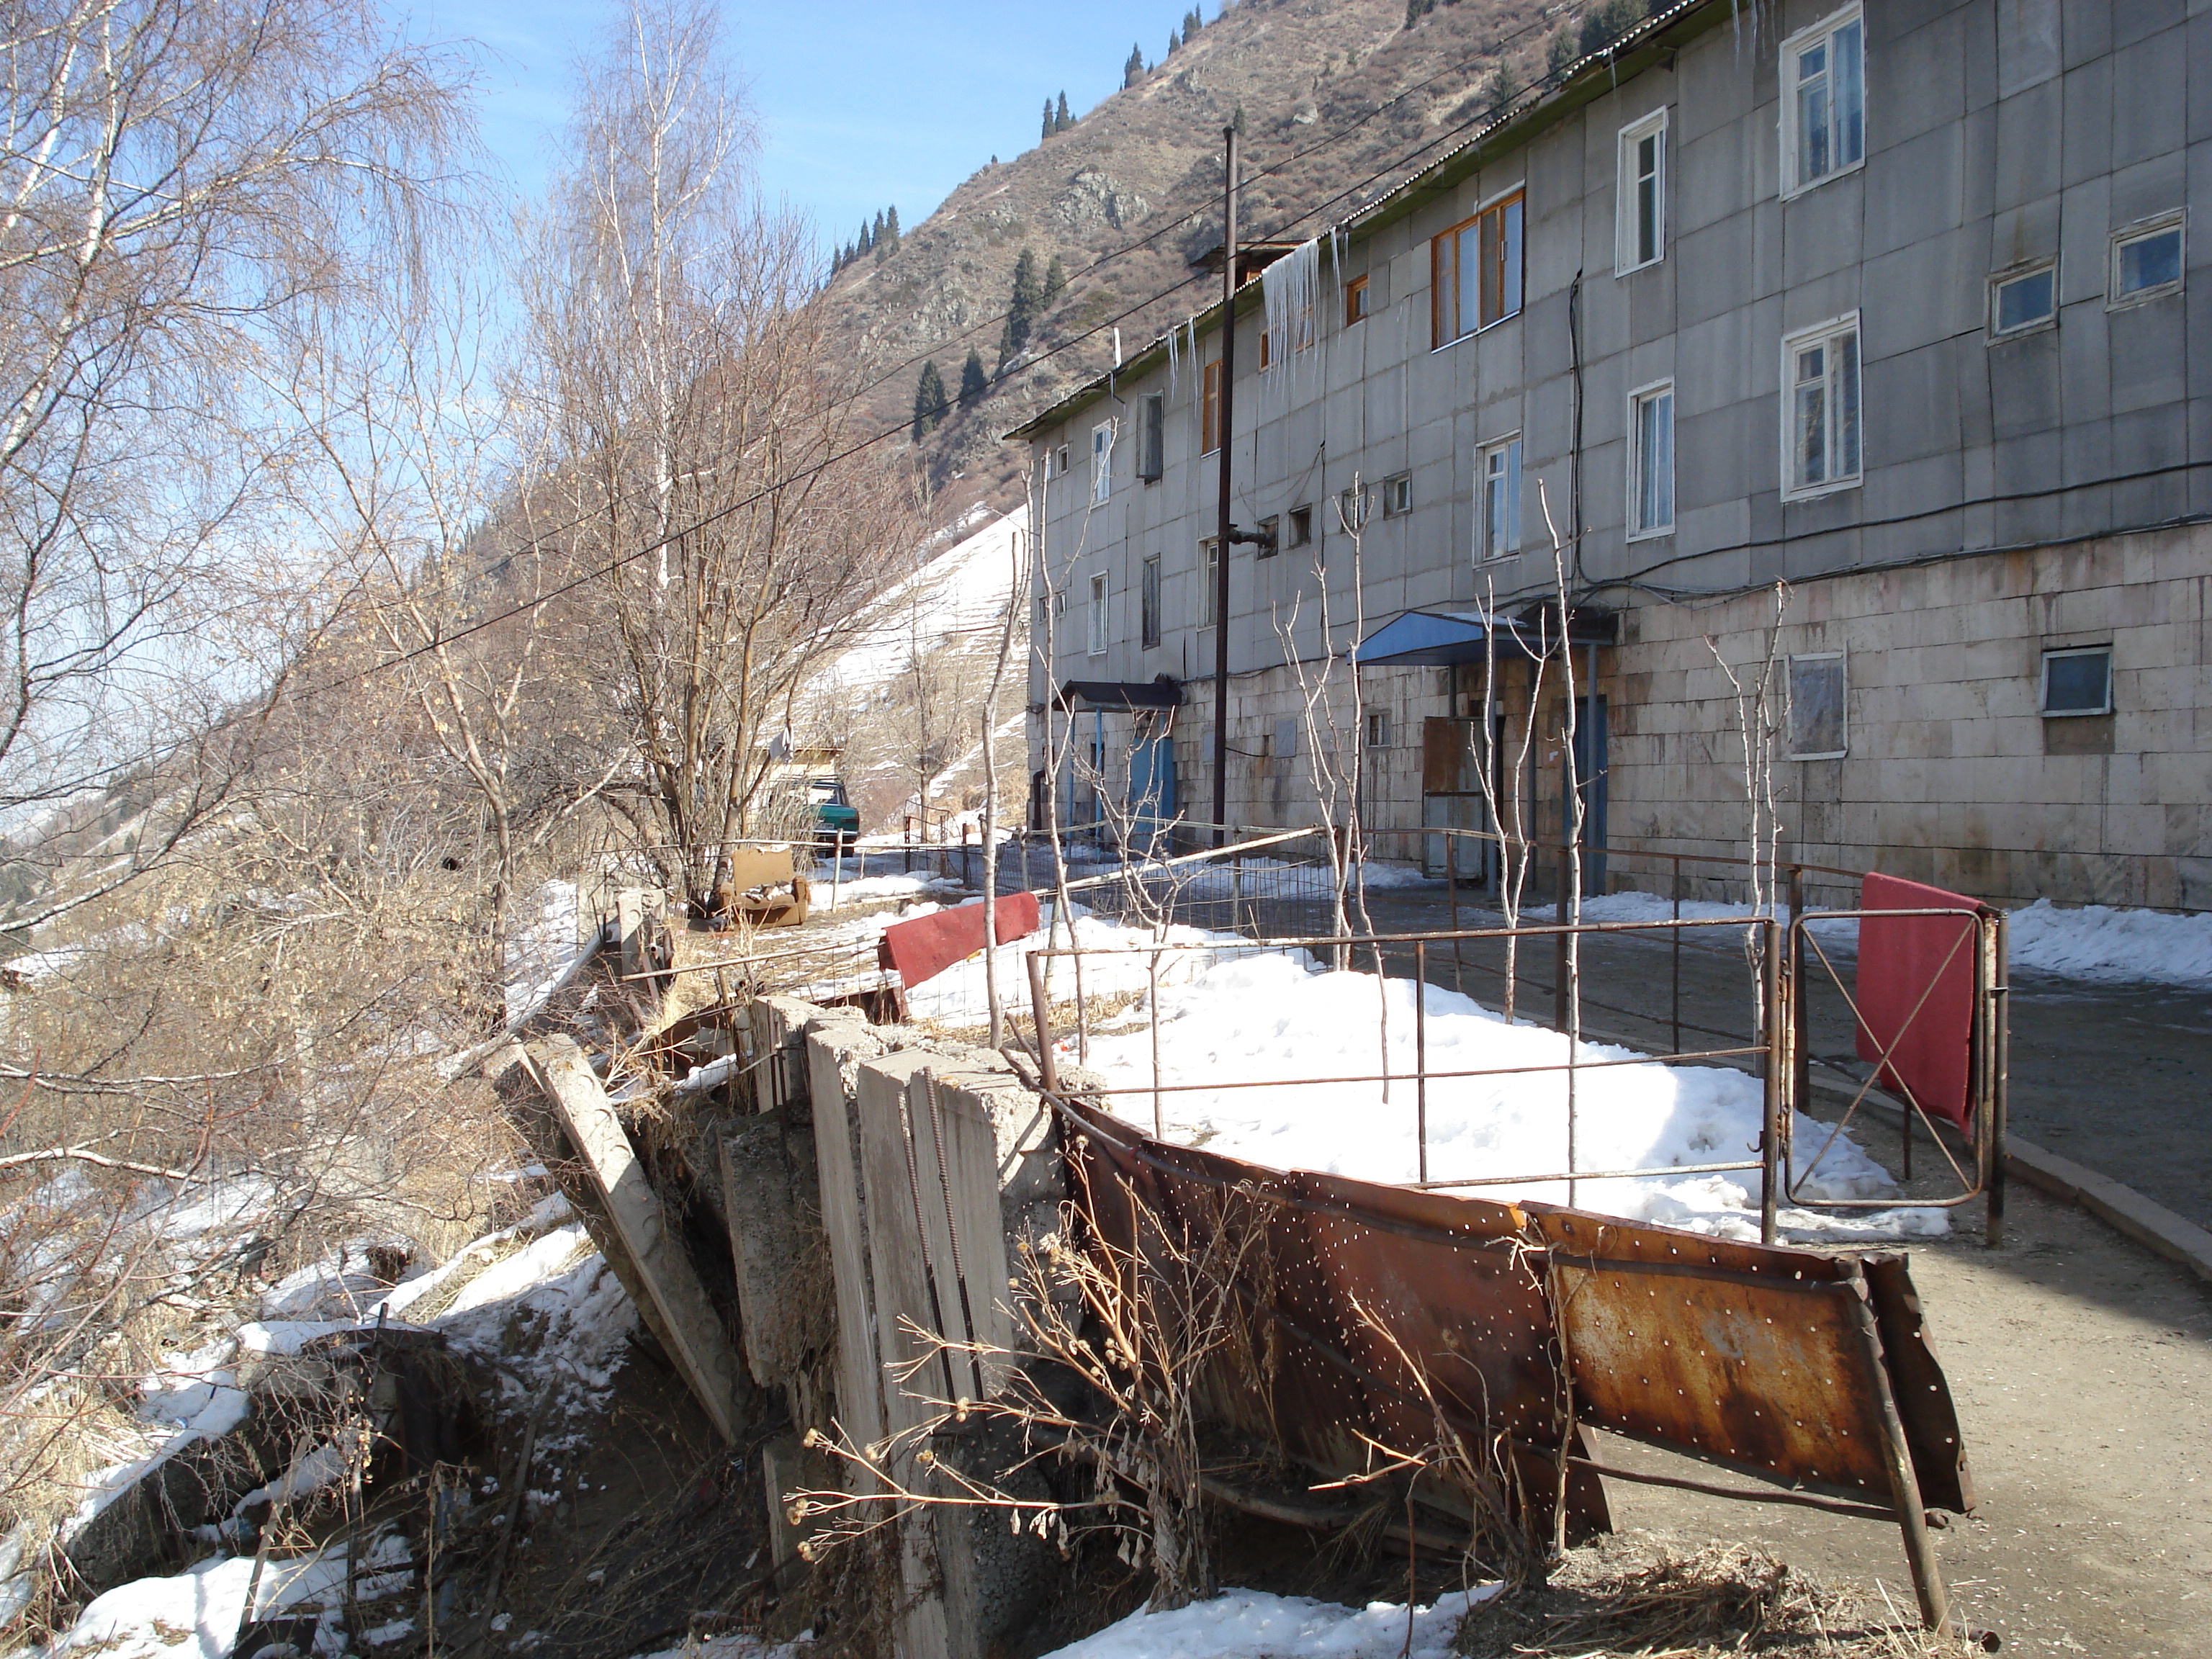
(2147, 260)
(2024, 300)
(1819, 725)
(2078, 681)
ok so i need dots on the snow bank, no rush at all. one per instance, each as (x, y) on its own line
(875, 890)
(195, 1613)
(1270, 1017)
(2096, 942)
(1242, 1624)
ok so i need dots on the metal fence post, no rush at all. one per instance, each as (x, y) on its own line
(2000, 1015)
(1771, 1133)
(1420, 1054)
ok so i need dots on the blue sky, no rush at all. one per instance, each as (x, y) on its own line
(862, 103)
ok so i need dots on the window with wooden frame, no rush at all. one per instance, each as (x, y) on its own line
(1209, 409)
(1474, 271)
(1823, 101)
(1640, 198)
(1498, 533)
(1821, 420)
(1098, 618)
(1651, 460)
(1152, 438)
(1820, 717)
(1355, 301)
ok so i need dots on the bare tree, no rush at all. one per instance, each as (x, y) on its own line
(703, 464)
(182, 182)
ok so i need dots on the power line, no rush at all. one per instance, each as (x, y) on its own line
(815, 468)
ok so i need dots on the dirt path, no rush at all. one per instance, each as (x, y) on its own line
(2081, 1365)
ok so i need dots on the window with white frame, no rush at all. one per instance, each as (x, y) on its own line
(1150, 602)
(1497, 534)
(1209, 564)
(2023, 299)
(2077, 681)
(1640, 198)
(1651, 460)
(1102, 463)
(1058, 467)
(2146, 260)
(1820, 726)
(1098, 616)
(1823, 101)
(1353, 505)
(1397, 495)
(1820, 424)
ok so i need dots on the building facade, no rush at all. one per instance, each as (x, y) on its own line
(1842, 351)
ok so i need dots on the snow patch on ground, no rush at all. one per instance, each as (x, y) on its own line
(2097, 942)
(195, 1613)
(1276, 1018)
(1242, 1624)
(541, 947)
(875, 890)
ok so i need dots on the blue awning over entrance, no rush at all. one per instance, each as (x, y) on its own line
(1439, 639)
(1443, 639)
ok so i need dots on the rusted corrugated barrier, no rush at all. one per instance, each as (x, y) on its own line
(1364, 1303)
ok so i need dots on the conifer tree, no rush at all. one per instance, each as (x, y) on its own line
(1192, 22)
(930, 402)
(1022, 309)
(972, 382)
(1055, 281)
(1173, 43)
(889, 240)
(1133, 71)
(1061, 120)
(1505, 87)
(875, 232)
(1048, 128)
(1563, 54)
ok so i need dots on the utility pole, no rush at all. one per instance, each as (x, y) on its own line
(1225, 528)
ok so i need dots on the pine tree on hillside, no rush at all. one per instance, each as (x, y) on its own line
(1061, 120)
(1133, 71)
(974, 383)
(1192, 23)
(1173, 43)
(1504, 87)
(1022, 309)
(1562, 56)
(888, 241)
(1055, 282)
(930, 403)
(1607, 23)
(1048, 128)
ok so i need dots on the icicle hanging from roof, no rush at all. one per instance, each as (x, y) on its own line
(1174, 359)
(1288, 289)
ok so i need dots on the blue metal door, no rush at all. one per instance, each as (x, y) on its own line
(1151, 789)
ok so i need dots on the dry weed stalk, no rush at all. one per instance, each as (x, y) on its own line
(1132, 1331)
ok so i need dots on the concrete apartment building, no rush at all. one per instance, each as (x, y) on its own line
(1896, 304)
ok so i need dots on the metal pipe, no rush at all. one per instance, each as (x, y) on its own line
(1675, 989)
(1770, 1137)
(1225, 402)
(1153, 1003)
(1420, 1057)
(1570, 1176)
(2000, 1078)
(1408, 1077)
(1897, 1464)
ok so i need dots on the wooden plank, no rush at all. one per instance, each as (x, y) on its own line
(698, 1344)
(836, 1044)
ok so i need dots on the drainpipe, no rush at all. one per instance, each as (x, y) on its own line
(1222, 531)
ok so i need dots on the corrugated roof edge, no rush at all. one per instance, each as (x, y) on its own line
(1656, 39)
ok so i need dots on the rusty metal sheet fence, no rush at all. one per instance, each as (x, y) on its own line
(1372, 1309)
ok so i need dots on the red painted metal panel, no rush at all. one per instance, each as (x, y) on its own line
(1916, 993)
(920, 949)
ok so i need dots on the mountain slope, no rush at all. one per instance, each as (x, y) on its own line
(1336, 99)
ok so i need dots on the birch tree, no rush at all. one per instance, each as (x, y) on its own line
(731, 525)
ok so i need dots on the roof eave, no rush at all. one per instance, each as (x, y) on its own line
(1651, 43)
